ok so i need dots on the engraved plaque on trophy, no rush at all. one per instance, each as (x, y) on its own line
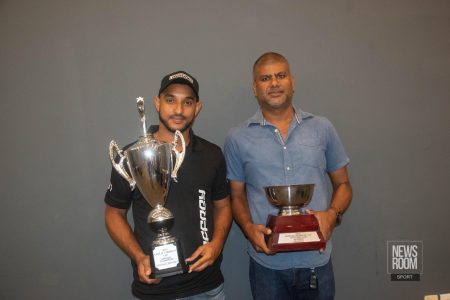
(150, 165)
(292, 230)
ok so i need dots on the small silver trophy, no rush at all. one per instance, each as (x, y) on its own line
(292, 230)
(152, 167)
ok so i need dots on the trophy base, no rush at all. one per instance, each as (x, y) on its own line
(294, 233)
(166, 259)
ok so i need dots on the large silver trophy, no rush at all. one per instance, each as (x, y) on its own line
(149, 164)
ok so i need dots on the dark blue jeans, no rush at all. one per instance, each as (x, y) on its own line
(291, 283)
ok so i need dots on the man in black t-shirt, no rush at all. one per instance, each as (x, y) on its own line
(199, 202)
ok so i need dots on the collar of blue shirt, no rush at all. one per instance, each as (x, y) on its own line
(258, 117)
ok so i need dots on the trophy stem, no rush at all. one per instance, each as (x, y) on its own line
(289, 210)
(163, 232)
(163, 237)
(161, 220)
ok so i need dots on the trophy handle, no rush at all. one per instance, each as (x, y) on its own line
(114, 150)
(179, 156)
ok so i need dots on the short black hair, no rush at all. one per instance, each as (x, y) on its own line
(269, 57)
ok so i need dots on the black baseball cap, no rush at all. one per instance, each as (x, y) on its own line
(181, 77)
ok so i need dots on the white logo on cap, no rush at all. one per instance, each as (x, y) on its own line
(182, 75)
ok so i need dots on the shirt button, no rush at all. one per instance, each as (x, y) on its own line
(288, 168)
(276, 130)
(284, 147)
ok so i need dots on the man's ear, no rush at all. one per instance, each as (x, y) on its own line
(198, 107)
(293, 84)
(156, 102)
(254, 88)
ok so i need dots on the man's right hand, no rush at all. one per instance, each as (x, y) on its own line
(144, 271)
(256, 234)
(121, 233)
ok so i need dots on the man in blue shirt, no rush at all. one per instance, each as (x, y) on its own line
(282, 145)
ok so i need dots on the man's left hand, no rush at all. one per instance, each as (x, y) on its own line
(206, 255)
(327, 222)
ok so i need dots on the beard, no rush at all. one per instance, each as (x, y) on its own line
(187, 126)
(276, 103)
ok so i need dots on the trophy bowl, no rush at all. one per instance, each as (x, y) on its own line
(289, 198)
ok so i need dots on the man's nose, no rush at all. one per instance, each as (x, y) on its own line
(178, 109)
(274, 81)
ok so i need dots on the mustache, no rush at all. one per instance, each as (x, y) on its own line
(177, 116)
(275, 90)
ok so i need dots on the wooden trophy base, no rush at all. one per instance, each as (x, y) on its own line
(294, 233)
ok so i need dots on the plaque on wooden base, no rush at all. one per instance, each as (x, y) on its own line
(167, 259)
(294, 233)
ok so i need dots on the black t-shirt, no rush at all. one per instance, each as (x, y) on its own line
(201, 180)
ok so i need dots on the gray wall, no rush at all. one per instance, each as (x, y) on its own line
(70, 70)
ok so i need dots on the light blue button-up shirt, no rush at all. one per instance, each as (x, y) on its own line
(257, 155)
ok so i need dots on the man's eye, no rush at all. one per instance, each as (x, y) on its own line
(281, 76)
(169, 100)
(188, 102)
(265, 78)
